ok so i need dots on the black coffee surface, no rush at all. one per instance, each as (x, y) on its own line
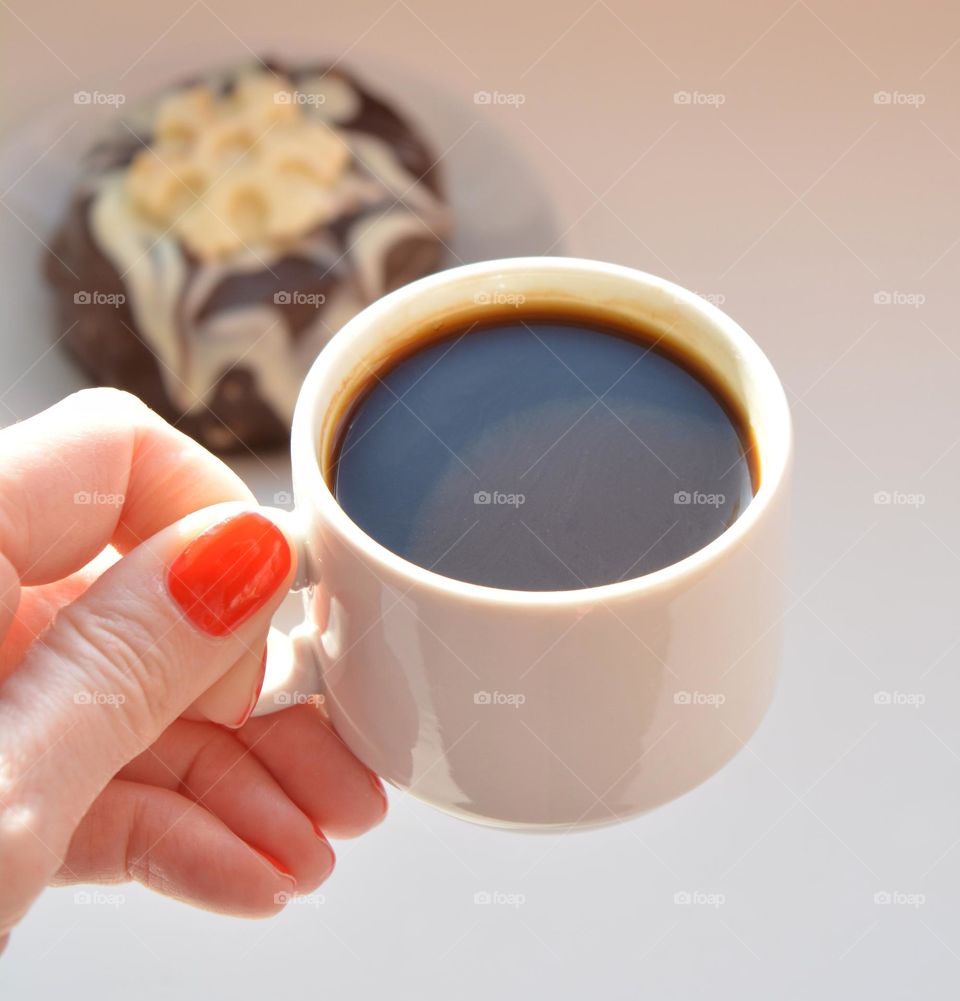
(541, 455)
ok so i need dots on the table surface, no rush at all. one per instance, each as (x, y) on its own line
(796, 162)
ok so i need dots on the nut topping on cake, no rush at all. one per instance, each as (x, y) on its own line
(244, 169)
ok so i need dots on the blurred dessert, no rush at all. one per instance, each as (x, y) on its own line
(220, 236)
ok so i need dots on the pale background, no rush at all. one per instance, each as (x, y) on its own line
(795, 203)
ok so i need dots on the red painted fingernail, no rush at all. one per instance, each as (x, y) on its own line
(256, 694)
(378, 788)
(332, 858)
(276, 864)
(229, 572)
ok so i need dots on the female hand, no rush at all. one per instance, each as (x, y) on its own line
(114, 621)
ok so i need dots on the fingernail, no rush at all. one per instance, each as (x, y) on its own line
(229, 572)
(276, 865)
(332, 856)
(256, 694)
(378, 788)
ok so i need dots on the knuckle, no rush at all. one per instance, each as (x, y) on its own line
(139, 859)
(117, 658)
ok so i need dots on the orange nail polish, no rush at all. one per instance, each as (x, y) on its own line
(331, 855)
(256, 694)
(275, 864)
(378, 789)
(226, 574)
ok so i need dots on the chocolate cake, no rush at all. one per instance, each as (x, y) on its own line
(221, 235)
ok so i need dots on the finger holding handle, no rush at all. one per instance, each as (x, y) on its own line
(118, 665)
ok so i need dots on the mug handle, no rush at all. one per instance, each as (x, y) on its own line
(294, 674)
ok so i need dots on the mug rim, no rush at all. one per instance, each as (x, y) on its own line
(312, 492)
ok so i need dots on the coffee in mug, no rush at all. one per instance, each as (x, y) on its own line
(542, 452)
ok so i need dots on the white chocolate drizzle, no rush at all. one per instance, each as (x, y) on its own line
(167, 291)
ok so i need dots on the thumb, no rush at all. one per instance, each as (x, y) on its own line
(125, 659)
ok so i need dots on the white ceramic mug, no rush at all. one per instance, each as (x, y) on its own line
(539, 709)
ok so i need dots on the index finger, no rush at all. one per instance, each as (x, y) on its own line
(96, 469)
